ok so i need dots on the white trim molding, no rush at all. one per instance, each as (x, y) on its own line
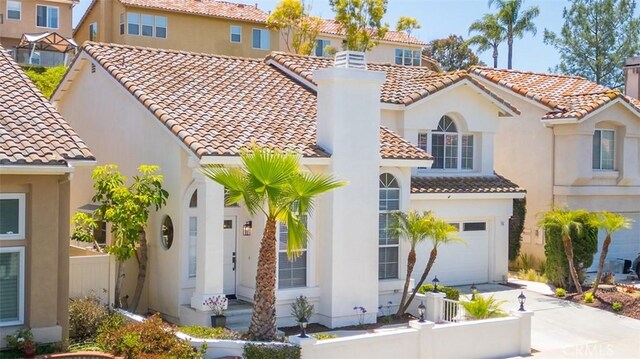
(596, 191)
(21, 197)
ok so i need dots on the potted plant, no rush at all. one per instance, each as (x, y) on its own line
(22, 341)
(218, 304)
(29, 348)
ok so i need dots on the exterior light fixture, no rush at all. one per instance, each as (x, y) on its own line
(246, 228)
(435, 284)
(522, 298)
(303, 327)
(473, 291)
(421, 310)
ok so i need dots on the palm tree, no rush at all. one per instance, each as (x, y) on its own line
(415, 227)
(565, 221)
(490, 35)
(516, 22)
(440, 232)
(272, 183)
(610, 223)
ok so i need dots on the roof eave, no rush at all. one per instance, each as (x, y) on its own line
(467, 195)
(35, 169)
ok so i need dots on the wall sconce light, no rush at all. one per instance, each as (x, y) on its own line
(246, 228)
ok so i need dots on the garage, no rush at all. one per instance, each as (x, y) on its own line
(625, 243)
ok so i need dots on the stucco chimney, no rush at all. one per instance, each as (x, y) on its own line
(348, 127)
(632, 77)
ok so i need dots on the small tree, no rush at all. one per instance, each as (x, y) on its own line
(452, 53)
(516, 226)
(127, 209)
(298, 30)
(361, 22)
(610, 223)
(407, 24)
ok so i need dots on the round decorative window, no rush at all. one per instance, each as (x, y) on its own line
(167, 232)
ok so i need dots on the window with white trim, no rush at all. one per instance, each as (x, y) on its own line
(235, 33)
(193, 233)
(291, 273)
(408, 57)
(133, 23)
(450, 149)
(147, 25)
(160, 27)
(47, 16)
(388, 244)
(261, 38)
(14, 10)
(12, 216)
(93, 31)
(12, 273)
(321, 46)
(122, 23)
(604, 150)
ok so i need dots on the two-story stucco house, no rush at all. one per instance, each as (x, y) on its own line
(575, 144)
(38, 154)
(372, 127)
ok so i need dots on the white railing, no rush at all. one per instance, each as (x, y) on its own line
(452, 311)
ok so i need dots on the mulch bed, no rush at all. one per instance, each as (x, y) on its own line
(382, 321)
(604, 300)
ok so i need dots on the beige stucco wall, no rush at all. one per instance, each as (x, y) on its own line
(27, 23)
(46, 249)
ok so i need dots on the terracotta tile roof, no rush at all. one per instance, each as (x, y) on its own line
(486, 184)
(217, 104)
(330, 26)
(31, 130)
(403, 85)
(213, 8)
(568, 97)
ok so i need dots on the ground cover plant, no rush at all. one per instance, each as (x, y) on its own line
(628, 300)
(202, 332)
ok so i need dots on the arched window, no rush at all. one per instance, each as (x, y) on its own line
(192, 218)
(450, 148)
(387, 242)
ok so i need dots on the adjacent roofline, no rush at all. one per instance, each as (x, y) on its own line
(236, 160)
(525, 98)
(84, 17)
(463, 196)
(35, 169)
(569, 120)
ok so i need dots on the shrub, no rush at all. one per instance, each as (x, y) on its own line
(17, 340)
(151, 338)
(325, 336)
(266, 351)
(560, 292)
(46, 79)
(484, 308)
(527, 261)
(301, 308)
(210, 333)
(585, 245)
(588, 297)
(532, 275)
(85, 317)
(450, 293)
(616, 306)
(516, 225)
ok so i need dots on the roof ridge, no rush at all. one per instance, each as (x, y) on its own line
(528, 72)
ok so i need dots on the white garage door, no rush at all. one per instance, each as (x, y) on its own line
(625, 243)
(466, 263)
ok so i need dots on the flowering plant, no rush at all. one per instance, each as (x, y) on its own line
(217, 303)
(22, 339)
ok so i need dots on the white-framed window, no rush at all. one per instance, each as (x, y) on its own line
(388, 243)
(235, 33)
(291, 273)
(14, 9)
(604, 150)
(133, 23)
(408, 57)
(192, 215)
(93, 31)
(122, 23)
(144, 25)
(470, 226)
(261, 38)
(450, 149)
(11, 286)
(160, 27)
(12, 216)
(321, 45)
(47, 16)
(147, 25)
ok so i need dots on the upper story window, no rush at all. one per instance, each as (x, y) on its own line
(388, 243)
(47, 16)
(603, 150)
(321, 46)
(133, 23)
(235, 33)
(408, 57)
(261, 39)
(145, 25)
(122, 23)
(14, 9)
(12, 216)
(450, 149)
(93, 31)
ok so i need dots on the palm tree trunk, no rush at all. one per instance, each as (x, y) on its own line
(427, 269)
(119, 281)
(603, 256)
(142, 269)
(263, 320)
(510, 57)
(495, 56)
(568, 249)
(411, 262)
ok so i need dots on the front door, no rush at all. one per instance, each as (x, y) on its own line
(230, 260)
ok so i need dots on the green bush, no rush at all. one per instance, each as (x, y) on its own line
(560, 292)
(585, 245)
(197, 331)
(450, 293)
(301, 308)
(616, 306)
(532, 275)
(149, 339)
(588, 297)
(46, 79)
(266, 351)
(85, 317)
(325, 336)
(484, 308)
(516, 225)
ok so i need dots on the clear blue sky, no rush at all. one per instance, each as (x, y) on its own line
(439, 18)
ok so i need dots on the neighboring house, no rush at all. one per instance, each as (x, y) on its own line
(38, 154)
(181, 111)
(576, 144)
(37, 32)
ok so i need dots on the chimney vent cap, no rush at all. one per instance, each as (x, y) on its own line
(350, 60)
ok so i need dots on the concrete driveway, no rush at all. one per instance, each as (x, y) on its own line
(561, 329)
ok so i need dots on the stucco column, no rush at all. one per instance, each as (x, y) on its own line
(210, 244)
(499, 249)
(525, 330)
(435, 304)
(425, 338)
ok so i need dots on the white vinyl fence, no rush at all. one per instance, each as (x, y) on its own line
(91, 272)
